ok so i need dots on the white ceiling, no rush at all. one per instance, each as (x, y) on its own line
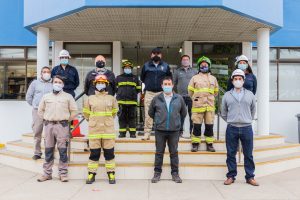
(153, 26)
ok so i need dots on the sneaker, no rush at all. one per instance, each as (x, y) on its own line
(156, 177)
(91, 178)
(210, 147)
(176, 178)
(146, 136)
(44, 178)
(36, 157)
(111, 177)
(195, 147)
(63, 179)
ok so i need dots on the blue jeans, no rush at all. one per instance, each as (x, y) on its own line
(233, 135)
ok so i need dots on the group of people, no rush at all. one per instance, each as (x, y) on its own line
(168, 99)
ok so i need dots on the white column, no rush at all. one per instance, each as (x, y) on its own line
(247, 50)
(187, 49)
(42, 48)
(263, 48)
(56, 48)
(117, 57)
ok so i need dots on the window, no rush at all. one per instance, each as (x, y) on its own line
(17, 70)
(284, 73)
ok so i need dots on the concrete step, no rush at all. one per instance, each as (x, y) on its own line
(125, 170)
(137, 144)
(148, 156)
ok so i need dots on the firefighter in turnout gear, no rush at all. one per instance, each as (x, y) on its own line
(100, 110)
(203, 88)
(128, 87)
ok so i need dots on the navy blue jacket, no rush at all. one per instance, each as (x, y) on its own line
(250, 83)
(71, 77)
(152, 76)
(167, 120)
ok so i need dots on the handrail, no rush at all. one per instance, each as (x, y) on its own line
(219, 111)
(79, 96)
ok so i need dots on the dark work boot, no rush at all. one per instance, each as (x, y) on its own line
(36, 157)
(91, 178)
(111, 177)
(210, 147)
(156, 177)
(132, 135)
(195, 147)
(122, 135)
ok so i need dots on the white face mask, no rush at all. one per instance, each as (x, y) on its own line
(57, 87)
(46, 76)
(185, 63)
(100, 86)
(238, 84)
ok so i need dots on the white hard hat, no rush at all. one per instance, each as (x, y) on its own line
(241, 57)
(64, 53)
(238, 72)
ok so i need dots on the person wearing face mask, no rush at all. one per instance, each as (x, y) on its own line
(203, 88)
(128, 86)
(67, 71)
(57, 109)
(152, 74)
(242, 63)
(181, 79)
(99, 110)
(100, 63)
(167, 110)
(37, 89)
(238, 110)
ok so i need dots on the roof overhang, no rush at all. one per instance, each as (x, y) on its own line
(164, 23)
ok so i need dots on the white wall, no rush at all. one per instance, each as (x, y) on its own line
(283, 120)
(15, 120)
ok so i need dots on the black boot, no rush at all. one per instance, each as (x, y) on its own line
(122, 135)
(132, 135)
(156, 177)
(91, 178)
(111, 177)
(210, 147)
(195, 147)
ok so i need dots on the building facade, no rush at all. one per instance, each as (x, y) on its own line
(33, 32)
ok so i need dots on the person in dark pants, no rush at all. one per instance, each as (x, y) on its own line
(128, 86)
(181, 79)
(242, 63)
(238, 110)
(68, 72)
(167, 110)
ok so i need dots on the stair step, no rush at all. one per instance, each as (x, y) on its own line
(184, 144)
(125, 170)
(148, 155)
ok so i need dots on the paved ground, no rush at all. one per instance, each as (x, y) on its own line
(22, 185)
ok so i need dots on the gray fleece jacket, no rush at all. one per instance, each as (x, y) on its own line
(238, 113)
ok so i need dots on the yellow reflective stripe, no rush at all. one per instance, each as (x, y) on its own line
(127, 102)
(209, 140)
(114, 110)
(122, 129)
(132, 129)
(216, 89)
(93, 165)
(138, 87)
(86, 110)
(191, 88)
(196, 139)
(127, 83)
(97, 114)
(203, 109)
(110, 165)
(102, 136)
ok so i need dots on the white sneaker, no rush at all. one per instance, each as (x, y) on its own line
(146, 136)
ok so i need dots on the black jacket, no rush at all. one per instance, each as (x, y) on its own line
(167, 120)
(89, 87)
(152, 76)
(71, 77)
(128, 86)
